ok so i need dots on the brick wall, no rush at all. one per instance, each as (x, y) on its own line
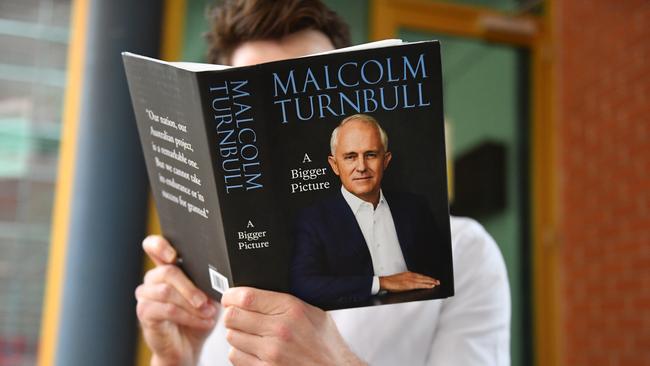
(604, 126)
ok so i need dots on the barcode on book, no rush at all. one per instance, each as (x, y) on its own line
(219, 282)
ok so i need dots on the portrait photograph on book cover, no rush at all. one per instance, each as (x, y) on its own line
(362, 244)
(322, 176)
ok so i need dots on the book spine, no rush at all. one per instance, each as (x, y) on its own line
(238, 134)
(210, 239)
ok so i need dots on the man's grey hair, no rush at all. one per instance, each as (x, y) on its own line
(363, 118)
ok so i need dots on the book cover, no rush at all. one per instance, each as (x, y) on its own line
(254, 187)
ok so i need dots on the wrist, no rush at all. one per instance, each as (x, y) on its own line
(382, 283)
(168, 361)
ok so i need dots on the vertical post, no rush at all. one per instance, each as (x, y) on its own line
(105, 195)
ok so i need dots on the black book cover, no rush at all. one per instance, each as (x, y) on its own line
(238, 164)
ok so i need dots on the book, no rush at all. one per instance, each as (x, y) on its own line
(250, 191)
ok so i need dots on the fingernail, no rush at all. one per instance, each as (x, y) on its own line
(197, 300)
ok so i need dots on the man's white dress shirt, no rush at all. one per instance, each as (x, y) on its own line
(471, 328)
(378, 229)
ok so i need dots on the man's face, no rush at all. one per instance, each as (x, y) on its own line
(360, 160)
(297, 44)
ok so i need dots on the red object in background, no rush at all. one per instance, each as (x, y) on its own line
(604, 136)
(16, 350)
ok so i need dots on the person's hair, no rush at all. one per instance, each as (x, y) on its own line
(237, 21)
(334, 139)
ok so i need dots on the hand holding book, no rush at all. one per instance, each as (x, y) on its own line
(176, 316)
(274, 328)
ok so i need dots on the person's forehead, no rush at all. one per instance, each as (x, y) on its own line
(297, 44)
(355, 129)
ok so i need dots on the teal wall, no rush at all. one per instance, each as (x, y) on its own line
(481, 94)
(505, 5)
(355, 13)
(196, 25)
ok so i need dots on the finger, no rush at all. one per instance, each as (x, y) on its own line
(159, 250)
(239, 358)
(412, 283)
(247, 343)
(422, 283)
(407, 286)
(425, 278)
(261, 301)
(426, 281)
(173, 275)
(151, 313)
(251, 322)
(165, 293)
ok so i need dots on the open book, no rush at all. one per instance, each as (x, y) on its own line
(250, 193)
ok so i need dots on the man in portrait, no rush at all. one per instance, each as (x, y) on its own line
(363, 241)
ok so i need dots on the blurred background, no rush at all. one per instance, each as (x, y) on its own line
(547, 106)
